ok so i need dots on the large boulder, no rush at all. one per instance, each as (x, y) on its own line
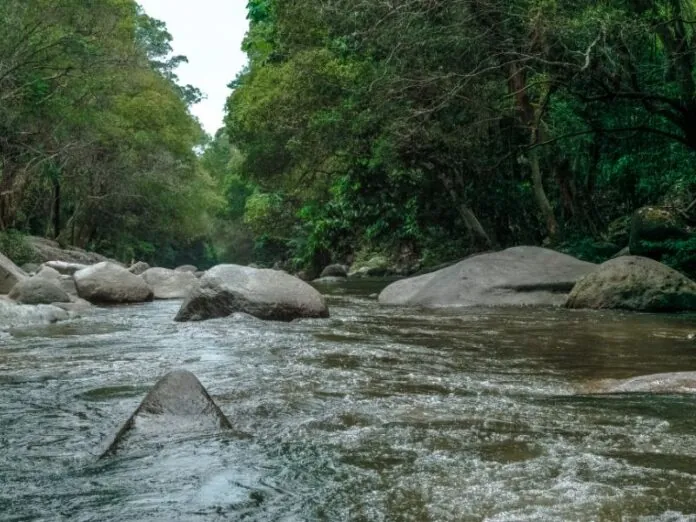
(66, 282)
(50, 250)
(38, 290)
(263, 293)
(14, 315)
(10, 275)
(139, 268)
(652, 229)
(634, 283)
(106, 283)
(170, 284)
(516, 276)
(334, 271)
(177, 403)
(676, 382)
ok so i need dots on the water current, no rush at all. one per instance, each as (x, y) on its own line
(376, 414)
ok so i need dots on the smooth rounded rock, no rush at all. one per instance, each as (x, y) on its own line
(177, 402)
(108, 283)
(38, 290)
(170, 284)
(334, 271)
(512, 277)
(634, 283)
(266, 294)
(187, 268)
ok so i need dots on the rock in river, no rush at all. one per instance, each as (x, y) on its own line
(38, 290)
(170, 284)
(10, 274)
(676, 382)
(516, 276)
(266, 294)
(634, 283)
(177, 402)
(14, 315)
(110, 283)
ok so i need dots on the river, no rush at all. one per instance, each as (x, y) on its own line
(376, 414)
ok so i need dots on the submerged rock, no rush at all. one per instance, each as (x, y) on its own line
(178, 402)
(109, 283)
(516, 276)
(634, 283)
(10, 275)
(13, 315)
(676, 382)
(170, 284)
(266, 294)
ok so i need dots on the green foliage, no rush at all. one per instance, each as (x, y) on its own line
(13, 245)
(442, 128)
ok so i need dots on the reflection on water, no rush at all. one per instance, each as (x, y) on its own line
(376, 414)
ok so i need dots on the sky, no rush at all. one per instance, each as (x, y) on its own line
(209, 33)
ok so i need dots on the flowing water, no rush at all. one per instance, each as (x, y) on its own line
(376, 414)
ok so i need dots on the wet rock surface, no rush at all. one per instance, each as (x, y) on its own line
(634, 283)
(177, 402)
(170, 284)
(107, 283)
(516, 276)
(266, 294)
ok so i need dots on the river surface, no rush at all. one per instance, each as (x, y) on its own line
(376, 414)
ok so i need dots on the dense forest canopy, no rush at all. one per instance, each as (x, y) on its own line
(418, 129)
(433, 128)
(97, 143)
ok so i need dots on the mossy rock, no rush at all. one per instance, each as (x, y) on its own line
(652, 229)
(618, 231)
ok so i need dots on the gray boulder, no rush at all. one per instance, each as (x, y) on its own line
(31, 268)
(170, 284)
(110, 283)
(50, 250)
(334, 271)
(10, 275)
(266, 294)
(177, 402)
(634, 283)
(13, 315)
(516, 276)
(64, 267)
(66, 282)
(139, 268)
(38, 290)
(676, 382)
(187, 268)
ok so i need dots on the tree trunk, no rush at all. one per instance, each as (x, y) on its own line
(56, 209)
(473, 225)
